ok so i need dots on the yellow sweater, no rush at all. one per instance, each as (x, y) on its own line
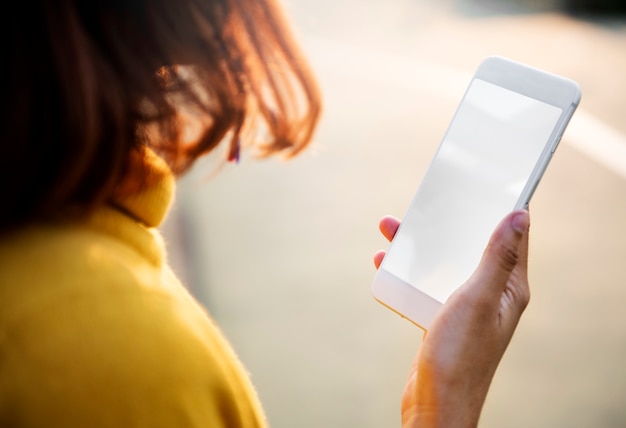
(96, 331)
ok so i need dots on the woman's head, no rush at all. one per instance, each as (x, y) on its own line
(90, 81)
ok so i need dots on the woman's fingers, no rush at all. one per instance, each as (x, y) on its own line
(388, 225)
(378, 258)
(505, 252)
(500, 281)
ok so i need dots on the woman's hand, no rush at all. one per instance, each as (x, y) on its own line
(460, 352)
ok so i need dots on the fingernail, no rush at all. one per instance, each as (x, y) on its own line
(521, 221)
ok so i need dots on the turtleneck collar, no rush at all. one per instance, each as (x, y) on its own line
(137, 209)
(149, 202)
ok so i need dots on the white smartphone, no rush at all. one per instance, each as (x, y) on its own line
(489, 163)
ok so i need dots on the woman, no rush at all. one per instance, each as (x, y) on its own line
(106, 102)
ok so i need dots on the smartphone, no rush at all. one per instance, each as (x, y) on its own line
(489, 162)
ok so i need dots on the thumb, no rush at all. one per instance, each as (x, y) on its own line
(506, 251)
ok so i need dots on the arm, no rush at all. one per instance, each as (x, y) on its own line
(453, 369)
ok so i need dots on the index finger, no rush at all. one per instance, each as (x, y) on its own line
(388, 225)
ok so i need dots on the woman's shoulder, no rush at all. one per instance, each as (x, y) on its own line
(89, 323)
(74, 280)
(41, 261)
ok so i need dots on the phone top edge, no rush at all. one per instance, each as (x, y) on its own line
(528, 80)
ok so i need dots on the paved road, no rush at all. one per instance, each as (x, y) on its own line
(281, 252)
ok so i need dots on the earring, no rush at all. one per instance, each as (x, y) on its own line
(234, 153)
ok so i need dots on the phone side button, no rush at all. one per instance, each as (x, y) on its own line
(556, 145)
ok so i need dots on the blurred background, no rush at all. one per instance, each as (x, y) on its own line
(281, 252)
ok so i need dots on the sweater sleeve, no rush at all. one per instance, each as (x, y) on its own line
(122, 359)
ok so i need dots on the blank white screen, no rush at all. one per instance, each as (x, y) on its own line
(476, 178)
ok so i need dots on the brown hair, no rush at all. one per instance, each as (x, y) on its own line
(87, 82)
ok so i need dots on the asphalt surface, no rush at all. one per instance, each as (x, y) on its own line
(280, 252)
